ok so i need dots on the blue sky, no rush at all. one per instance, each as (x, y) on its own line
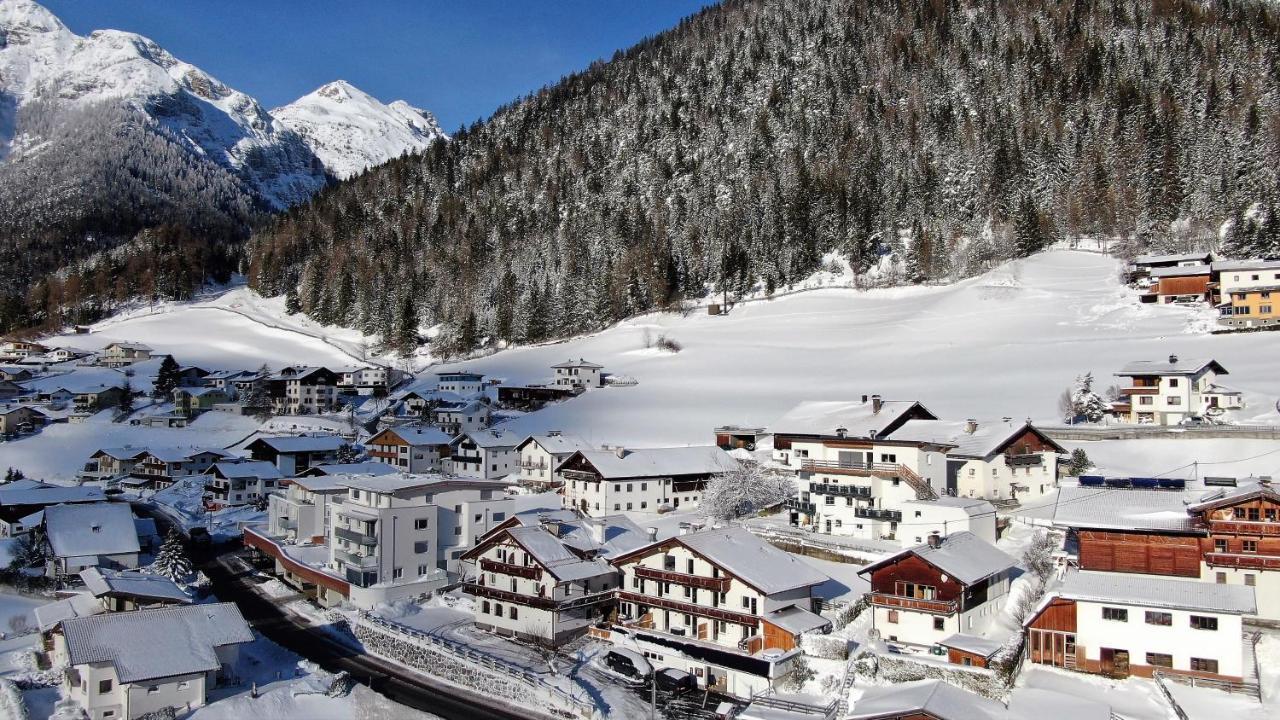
(459, 59)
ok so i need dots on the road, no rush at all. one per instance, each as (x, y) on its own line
(232, 584)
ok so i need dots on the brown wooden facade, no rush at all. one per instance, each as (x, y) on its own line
(909, 579)
(1149, 553)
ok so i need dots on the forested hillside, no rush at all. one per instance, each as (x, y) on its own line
(742, 145)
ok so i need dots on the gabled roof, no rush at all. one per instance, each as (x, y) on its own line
(90, 529)
(260, 469)
(129, 346)
(417, 435)
(78, 605)
(121, 453)
(407, 481)
(149, 644)
(1182, 257)
(461, 374)
(554, 557)
(181, 454)
(19, 408)
(1223, 498)
(50, 495)
(1149, 591)
(962, 555)
(1172, 366)
(579, 363)
(1242, 265)
(935, 697)
(859, 419)
(982, 646)
(300, 372)
(132, 584)
(556, 443)
(198, 391)
(305, 443)
(360, 468)
(1122, 509)
(491, 438)
(1181, 271)
(750, 559)
(989, 438)
(657, 462)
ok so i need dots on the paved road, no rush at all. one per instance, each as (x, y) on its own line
(232, 584)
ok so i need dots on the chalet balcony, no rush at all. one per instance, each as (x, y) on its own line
(938, 607)
(355, 537)
(802, 506)
(1140, 390)
(288, 523)
(538, 601)
(530, 465)
(580, 475)
(878, 514)
(1027, 460)
(835, 467)
(714, 613)
(841, 490)
(1244, 527)
(525, 571)
(1242, 561)
(366, 562)
(720, 584)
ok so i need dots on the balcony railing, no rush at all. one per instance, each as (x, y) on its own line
(1243, 561)
(883, 470)
(530, 465)
(364, 562)
(842, 490)
(355, 537)
(803, 506)
(524, 571)
(1244, 527)
(484, 591)
(1140, 390)
(579, 475)
(714, 613)
(288, 523)
(940, 607)
(1025, 460)
(720, 584)
(878, 514)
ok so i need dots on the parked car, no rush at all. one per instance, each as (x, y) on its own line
(675, 681)
(628, 663)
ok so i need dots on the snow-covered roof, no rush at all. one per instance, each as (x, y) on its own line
(184, 454)
(421, 435)
(1027, 703)
(1122, 509)
(130, 346)
(361, 468)
(1181, 257)
(1149, 591)
(858, 418)
(460, 374)
(1223, 497)
(557, 443)
(78, 605)
(491, 438)
(962, 555)
(1181, 271)
(659, 462)
(90, 529)
(985, 647)
(408, 481)
(247, 469)
(199, 391)
(752, 560)
(988, 437)
(934, 697)
(122, 453)
(557, 559)
(148, 644)
(788, 706)
(134, 584)
(796, 620)
(304, 443)
(579, 363)
(1231, 265)
(1174, 365)
(973, 507)
(50, 495)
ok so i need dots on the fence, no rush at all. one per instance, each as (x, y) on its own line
(1080, 433)
(558, 701)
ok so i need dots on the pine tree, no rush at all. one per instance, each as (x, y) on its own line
(167, 378)
(347, 454)
(1085, 403)
(1028, 231)
(172, 561)
(1079, 462)
(126, 398)
(257, 397)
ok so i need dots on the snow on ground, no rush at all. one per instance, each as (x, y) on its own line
(18, 612)
(1176, 457)
(183, 502)
(58, 452)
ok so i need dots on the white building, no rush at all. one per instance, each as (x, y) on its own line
(856, 463)
(945, 515)
(460, 382)
(484, 454)
(301, 513)
(548, 578)
(1122, 625)
(455, 418)
(929, 593)
(721, 604)
(303, 390)
(131, 589)
(294, 455)
(240, 483)
(88, 535)
(369, 380)
(997, 460)
(127, 665)
(122, 353)
(410, 448)
(603, 482)
(398, 536)
(540, 455)
(1166, 393)
(578, 374)
(1247, 292)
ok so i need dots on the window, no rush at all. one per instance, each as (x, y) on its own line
(1204, 665)
(421, 546)
(893, 616)
(939, 623)
(1173, 400)
(644, 486)
(1159, 618)
(617, 507)
(513, 614)
(1264, 309)
(104, 686)
(1253, 514)
(629, 506)
(1160, 660)
(1220, 545)
(420, 524)
(153, 690)
(1146, 400)
(1202, 622)
(669, 563)
(422, 570)
(1249, 546)
(457, 530)
(1173, 382)
(397, 573)
(1117, 614)
(499, 517)
(1221, 578)
(1250, 580)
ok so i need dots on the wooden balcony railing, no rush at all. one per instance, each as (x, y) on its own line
(689, 608)
(1140, 391)
(1244, 527)
(1243, 561)
(941, 607)
(544, 603)
(884, 470)
(720, 584)
(528, 572)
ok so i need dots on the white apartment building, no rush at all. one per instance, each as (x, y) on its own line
(484, 454)
(540, 455)
(240, 483)
(603, 482)
(997, 460)
(947, 586)
(1121, 625)
(578, 374)
(370, 380)
(944, 516)
(410, 448)
(399, 536)
(301, 513)
(720, 604)
(455, 418)
(303, 390)
(1166, 393)
(460, 382)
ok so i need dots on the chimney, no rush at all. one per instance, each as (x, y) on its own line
(597, 531)
(686, 528)
(876, 403)
(653, 534)
(620, 451)
(1173, 359)
(554, 433)
(971, 426)
(842, 432)
(935, 540)
(864, 399)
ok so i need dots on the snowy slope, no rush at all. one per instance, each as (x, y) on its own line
(43, 62)
(350, 130)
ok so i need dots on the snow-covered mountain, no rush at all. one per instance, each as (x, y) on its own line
(45, 69)
(350, 130)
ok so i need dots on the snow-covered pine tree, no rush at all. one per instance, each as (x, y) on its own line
(172, 561)
(166, 378)
(1085, 403)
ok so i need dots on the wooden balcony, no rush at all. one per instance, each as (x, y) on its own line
(1140, 390)
(544, 603)
(841, 490)
(720, 584)
(1242, 561)
(882, 470)
(938, 607)
(689, 608)
(528, 572)
(1244, 527)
